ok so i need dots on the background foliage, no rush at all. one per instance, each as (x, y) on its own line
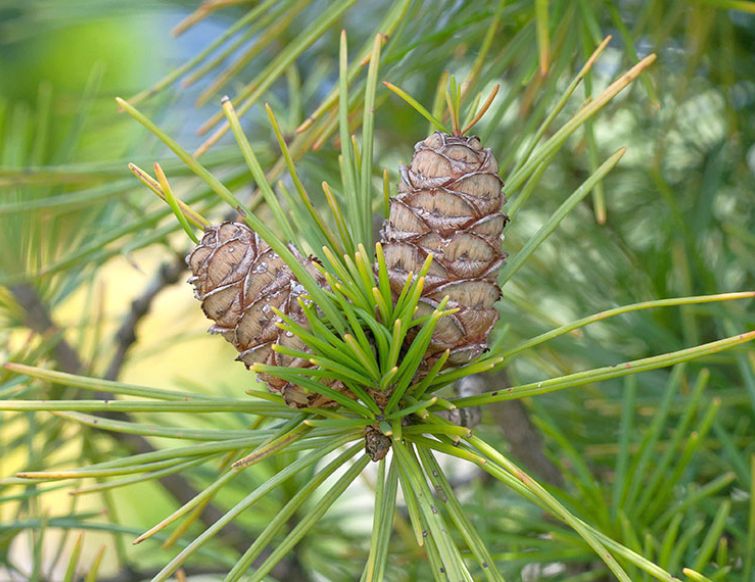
(662, 461)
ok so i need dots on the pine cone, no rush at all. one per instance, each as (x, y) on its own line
(239, 279)
(449, 204)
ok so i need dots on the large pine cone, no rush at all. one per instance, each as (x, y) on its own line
(239, 278)
(449, 204)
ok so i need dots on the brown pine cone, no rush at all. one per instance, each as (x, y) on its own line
(449, 204)
(239, 279)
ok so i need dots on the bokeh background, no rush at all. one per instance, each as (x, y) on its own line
(675, 218)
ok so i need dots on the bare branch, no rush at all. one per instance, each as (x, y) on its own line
(523, 437)
(37, 319)
(167, 274)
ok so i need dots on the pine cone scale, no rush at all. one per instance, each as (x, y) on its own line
(240, 280)
(449, 205)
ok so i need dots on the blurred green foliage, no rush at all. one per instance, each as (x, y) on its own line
(662, 462)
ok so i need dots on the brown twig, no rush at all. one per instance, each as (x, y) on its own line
(167, 274)
(512, 416)
(523, 437)
(38, 319)
(468, 417)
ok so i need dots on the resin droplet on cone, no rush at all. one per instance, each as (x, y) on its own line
(239, 279)
(449, 204)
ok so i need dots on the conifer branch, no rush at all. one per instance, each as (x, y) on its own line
(37, 318)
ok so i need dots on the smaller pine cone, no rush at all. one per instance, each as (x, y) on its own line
(376, 444)
(239, 279)
(449, 204)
